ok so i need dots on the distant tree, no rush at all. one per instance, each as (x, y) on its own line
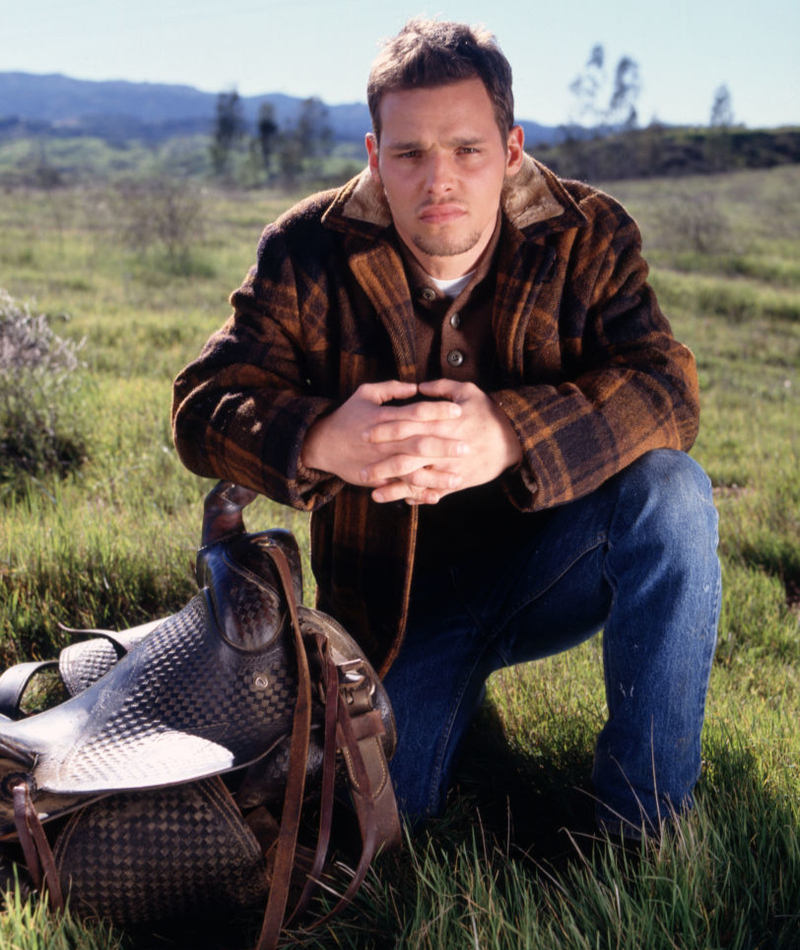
(598, 104)
(267, 133)
(313, 129)
(594, 103)
(229, 127)
(722, 108)
(586, 88)
(719, 144)
(45, 175)
(627, 86)
(290, 157)
(302, 145)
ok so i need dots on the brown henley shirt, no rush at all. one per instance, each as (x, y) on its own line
(454, 341)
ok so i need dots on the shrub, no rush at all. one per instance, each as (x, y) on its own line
(694, 222)
(160, 214)
(38, 378)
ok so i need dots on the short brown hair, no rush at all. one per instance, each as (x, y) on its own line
(428, 53)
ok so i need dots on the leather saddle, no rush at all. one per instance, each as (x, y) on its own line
(243, 682)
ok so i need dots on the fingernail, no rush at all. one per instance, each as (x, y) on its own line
(377, 496)
(364, 475)
(463, 448)
(455, 410)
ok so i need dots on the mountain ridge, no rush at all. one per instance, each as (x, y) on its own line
(57, 104)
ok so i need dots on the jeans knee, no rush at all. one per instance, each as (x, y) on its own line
(669, 492)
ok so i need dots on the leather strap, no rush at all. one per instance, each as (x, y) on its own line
(296, 776)
(35, 846)
(358, 736)
(357, 728)
(358, 731)
(329, 749)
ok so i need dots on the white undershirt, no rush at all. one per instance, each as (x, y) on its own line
(452, 288)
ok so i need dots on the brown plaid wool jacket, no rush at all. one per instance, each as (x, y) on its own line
(592, 376)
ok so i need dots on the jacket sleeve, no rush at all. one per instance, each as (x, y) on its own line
(241, 410)
(624, 385)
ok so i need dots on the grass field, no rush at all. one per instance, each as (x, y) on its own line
(513, 865)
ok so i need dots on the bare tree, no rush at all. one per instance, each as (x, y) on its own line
(595, 104)
(627, 86)
(719, 143)
(722, 108)
(587, 86)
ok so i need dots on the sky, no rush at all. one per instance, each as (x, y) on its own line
(686, 49)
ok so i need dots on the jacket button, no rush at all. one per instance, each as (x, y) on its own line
(455, 320)
(455, 357)
(428, 293)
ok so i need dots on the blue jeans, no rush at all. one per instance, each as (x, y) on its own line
(636, 558)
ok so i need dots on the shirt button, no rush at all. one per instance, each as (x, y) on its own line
(455, 357)
(455, 320)
(428, 293)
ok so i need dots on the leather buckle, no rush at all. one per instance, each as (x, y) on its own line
(355, 685)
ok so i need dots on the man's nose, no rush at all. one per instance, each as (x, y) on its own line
(439, 174)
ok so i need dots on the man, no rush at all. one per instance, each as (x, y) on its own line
(455, 362)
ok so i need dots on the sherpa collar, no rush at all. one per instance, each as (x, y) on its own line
(531, 197)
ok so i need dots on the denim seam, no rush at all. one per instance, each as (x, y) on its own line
(444, 741)
(598, 541)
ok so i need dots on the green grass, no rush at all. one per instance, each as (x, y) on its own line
(514, 863)
(29, 924)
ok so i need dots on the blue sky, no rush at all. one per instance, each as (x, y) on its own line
(685, 48)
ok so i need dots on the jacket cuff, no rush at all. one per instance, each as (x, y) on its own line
(519, 482)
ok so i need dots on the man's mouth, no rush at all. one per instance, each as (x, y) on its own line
(441, 213)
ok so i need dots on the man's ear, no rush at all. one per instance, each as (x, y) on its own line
(371, 142)
(515, 150)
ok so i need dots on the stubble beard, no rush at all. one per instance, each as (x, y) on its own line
(443, 245)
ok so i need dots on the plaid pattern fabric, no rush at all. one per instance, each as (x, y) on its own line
(592, 375)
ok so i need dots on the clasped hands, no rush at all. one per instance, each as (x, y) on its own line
(418, 451)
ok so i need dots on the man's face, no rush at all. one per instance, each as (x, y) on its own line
(442, 162)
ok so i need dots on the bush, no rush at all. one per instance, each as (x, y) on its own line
(38, 378)
(694, 222)
(160, 214)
